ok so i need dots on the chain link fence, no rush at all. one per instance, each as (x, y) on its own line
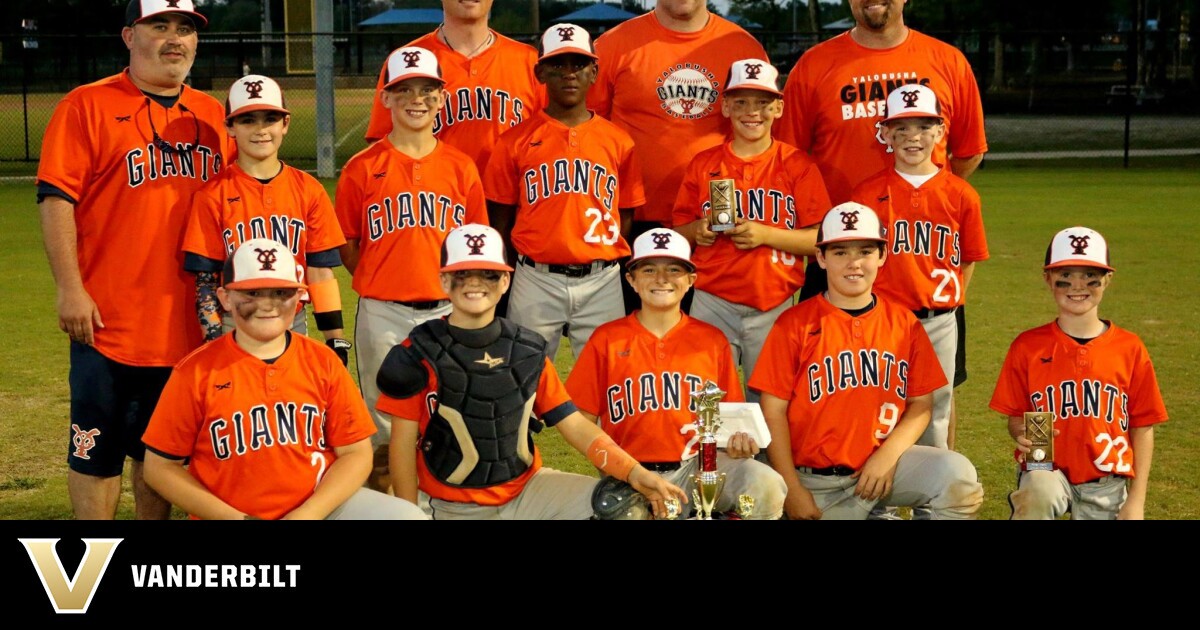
(1047, 95)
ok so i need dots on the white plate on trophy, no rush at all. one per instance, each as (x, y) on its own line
(743, 417)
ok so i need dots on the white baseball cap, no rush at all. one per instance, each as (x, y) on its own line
(410, 62)
(138, 10)
(753, 74)
(253, 93)
(662, 243)
(473, 246)
(261, 263)
(564, 39)
(850, 221)
(912, 101)
(1078, 247)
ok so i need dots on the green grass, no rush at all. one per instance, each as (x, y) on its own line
(1149, 216)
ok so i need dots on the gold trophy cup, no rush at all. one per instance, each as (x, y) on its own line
(708, 481)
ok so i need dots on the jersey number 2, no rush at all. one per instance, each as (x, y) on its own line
(318, 459)
(946, 277)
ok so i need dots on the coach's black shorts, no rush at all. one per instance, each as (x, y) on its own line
(111, 404)
(960, 354)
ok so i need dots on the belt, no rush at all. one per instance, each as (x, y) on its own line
(832, 471)
(571, 271)
(1100, 479)
(926, 313)
(423, 306)
(661, 466)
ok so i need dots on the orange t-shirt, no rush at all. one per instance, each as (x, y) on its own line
(846, 379)
(568, 184)
(640, 386)
(401, 209)
(664, 88)
(932, 232)
(260, 435)
(489, 93)
(551, 404)
(838, 91)
(292, 209)
(780, 187)
(1096, 391)
(131, 208)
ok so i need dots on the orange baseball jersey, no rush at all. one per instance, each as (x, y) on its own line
(551, 405)
(640, 386)
(780, 187)
(259, 435)
(489, 94)
(1096, 391)
(569, 184)
(664, 88)
(131, 207)
(837, 92)
(400, 210)
(932, 230)
(846, 379)
(292, 209)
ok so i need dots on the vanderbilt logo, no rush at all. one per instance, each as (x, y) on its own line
(83, 441)
(70, 595)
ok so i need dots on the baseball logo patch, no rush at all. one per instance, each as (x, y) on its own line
(565, 33)
(1080, 243)
(411, 57)
(688, 91)
(661, 240)
(172, 4)
(475, 242)
(254, 88)
(850, 220)
(752, 70)
(83, 441)
(267, 258)
(910, 98)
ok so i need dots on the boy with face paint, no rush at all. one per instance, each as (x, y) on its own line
(396, 201)
(269, 423)
(259, 196)
(1097, 380)
(463, 393)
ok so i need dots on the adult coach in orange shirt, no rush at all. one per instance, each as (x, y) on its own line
(121, 158)
(489, 79)
(660, 80)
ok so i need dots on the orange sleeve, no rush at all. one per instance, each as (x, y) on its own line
(476, 201)
(380, 123)
(551, 395)
(812, 198)
(347, 420)
(1011, 395)
(924, 372)
(728, 375)
(501, 176)
(967, 136)
(599, 97)
(324, 233)
(688, 206)
(66, 162)
(204, 235)
(974, 238)
(793, 128)
(1145, 400)
(177, 416)
(348, 206)
(778, 363)
(586, 377)
(633, 189)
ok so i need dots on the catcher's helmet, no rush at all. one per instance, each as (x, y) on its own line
(615, 500)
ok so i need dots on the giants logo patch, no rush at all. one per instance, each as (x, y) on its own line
(688, 91)
(83, 441)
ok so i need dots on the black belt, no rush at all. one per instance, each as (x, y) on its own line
(926, 313)
(661, 466)
(423, 306)
(570, 271)
(832, 471)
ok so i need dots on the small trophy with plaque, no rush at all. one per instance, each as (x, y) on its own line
(1039, 429)
(722, 205)
(709, 482)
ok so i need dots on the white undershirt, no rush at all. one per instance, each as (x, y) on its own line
(916, 180)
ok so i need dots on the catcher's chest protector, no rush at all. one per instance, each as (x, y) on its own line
(487, 381)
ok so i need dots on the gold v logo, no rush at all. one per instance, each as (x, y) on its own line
(74, 595)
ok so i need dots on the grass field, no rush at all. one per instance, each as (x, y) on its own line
(1150, 217)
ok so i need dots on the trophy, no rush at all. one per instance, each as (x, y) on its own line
(722, 209)
(708, 481)
(1039, 429)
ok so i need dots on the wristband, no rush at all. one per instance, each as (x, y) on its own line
(325, 296)
(331, 320)
(611, 459)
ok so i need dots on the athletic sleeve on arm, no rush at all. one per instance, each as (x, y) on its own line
(553, 403)
(195, 263)
(329, 258)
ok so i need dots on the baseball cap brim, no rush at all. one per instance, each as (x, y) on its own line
(568, 51)
(415, 75)
(1076, 262)
(634, 261)
(264, 283)
(752, 86)
(913, 115)
(469, 265)
(132, 10)
(257, 107)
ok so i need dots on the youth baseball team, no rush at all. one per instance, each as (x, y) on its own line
(654, 197)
